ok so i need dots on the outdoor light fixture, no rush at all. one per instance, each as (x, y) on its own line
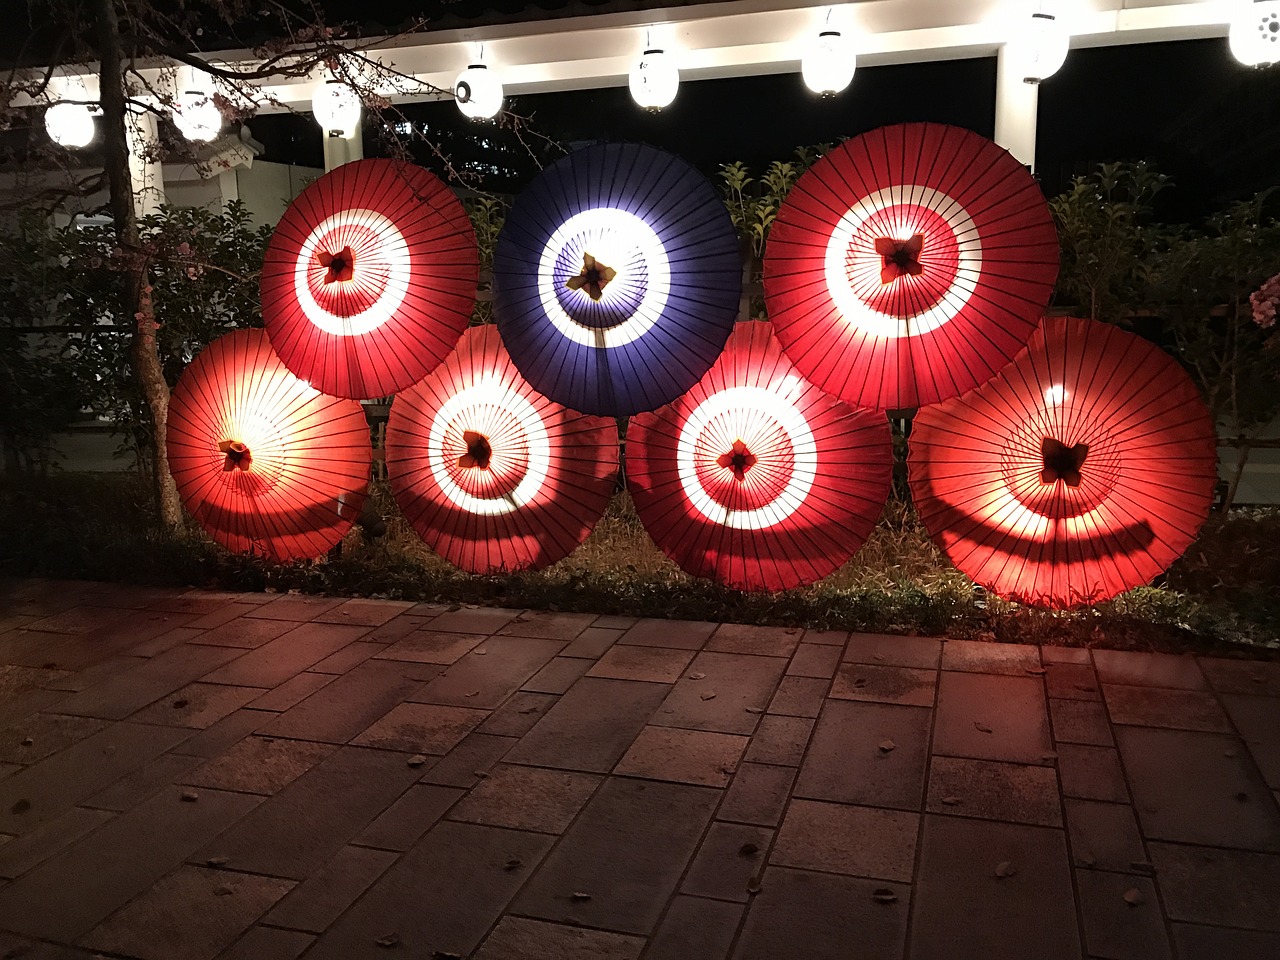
(336, 108)
(654, 79)
(196, 116)
(69, 124)
(1255, 33)
(828, 63)
(1040, 46)
(478, 92)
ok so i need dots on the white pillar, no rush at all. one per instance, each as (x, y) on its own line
(1016, 102)
(144, 162)
(340, 150)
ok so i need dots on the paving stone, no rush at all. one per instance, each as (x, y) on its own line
(396, 628)
(48, 733)
(780, 740)
(527, 798)
(814, 660)
(610, 622)
(368, 613)
(292, 606)
(991, 718)
(1214, 943)
(592, 643)
(83, 619)
(1173, 709)
(557, 676)
(486, 679)
(838, 838)
(344, 708)
(518, 714)
(161, 922)
(642, 830)
(758, 794)
(846, 761)
(116, 698)
(197, 705)
(695, 927)
(1149, 669)
(482, 620)
(678, 634)
(1250, 677)
(829, 638)
(159, 644)
(758, 641)
(548, 626)
(902, 685)
(800, 915)
(94, 675)
(292, 692)
(592, 726)
(302, 826)
(1116, 929)
(923, 653)
(406, 820)
(259, 765)
(1071, 681)
(268, 943)
(981, 656)
(1065, 655)
(1233, 888)
(220, 612)
(732, 692)
(421, 728)
(350, 656)
(1187, 787)
(1104, 835)
(991, 790)
(470, 761)
(20, 854)
(654, 664)
(959, 896)
(1091, 773)
(433, 911)
(730, 855)
(799, 696)
(1080, 721)
(69, 894)
(147, 780)
(433, 646)
(245, 632)
(45, 790)
(683, 756)
(223, 734)
(1258, 720)
(327, 893)
(18, 705)
(287, 655)
(516, 938)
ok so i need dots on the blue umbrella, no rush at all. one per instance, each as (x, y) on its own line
(616, 279)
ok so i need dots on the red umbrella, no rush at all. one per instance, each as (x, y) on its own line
(1083, 469)
(263, 461)
(493, 475)
(909, 265)
(756, 478)
(370, 278)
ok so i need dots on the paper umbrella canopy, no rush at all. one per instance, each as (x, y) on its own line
(908, 265)
(490, 473)
(264, 462)
(369, 279)
(1081, 470)
(755, 477)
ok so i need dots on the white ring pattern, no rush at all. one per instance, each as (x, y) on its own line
(394, 249)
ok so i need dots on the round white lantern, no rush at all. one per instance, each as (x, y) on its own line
(1041, 48)
(1255, 33)
(69, 124)
(336, 108)
(478, 92)
(654, 80)
(828, 63)
(196, 116)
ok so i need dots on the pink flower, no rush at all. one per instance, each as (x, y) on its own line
(1264, 301)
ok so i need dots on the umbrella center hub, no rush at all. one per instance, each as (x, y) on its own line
(479, 451)
(900, 258)
(237, 456)
(1062, 462)
(595, 276)
(339, 266)
(739, 459)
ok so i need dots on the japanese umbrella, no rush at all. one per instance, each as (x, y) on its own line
(616, 279)
(1084, 468)
(369, 279)
(908, 265)
(264, 462)
(490, 473)
(756, 478)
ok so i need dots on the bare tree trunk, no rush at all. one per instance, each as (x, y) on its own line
(1242, 457)
(137, 300)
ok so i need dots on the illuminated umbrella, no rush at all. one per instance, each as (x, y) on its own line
(1083, 469)
(908, 265)
(616, 279)
(370, 278)
(262, 461)
(756, 478)
(491, 474)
